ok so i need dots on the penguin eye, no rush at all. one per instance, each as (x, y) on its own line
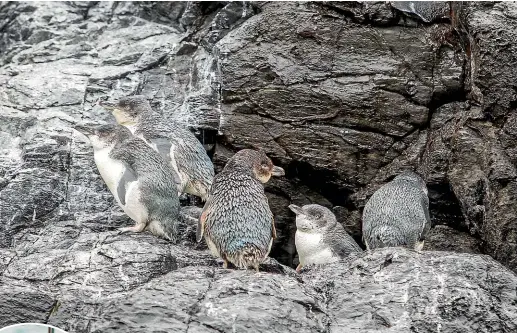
(264, 166)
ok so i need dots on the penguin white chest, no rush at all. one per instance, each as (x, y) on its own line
(312, 250)
(111, 170)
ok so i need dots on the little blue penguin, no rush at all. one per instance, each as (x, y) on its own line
(193, 168)
(319, 238)
(139, 179)
(397, 214)
(236, 222)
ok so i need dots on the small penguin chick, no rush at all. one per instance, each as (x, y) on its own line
(193, 169)
(319, 238)
(397, 214)
(139, 179)
(236, 222)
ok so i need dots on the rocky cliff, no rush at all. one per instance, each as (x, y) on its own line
(343, 95)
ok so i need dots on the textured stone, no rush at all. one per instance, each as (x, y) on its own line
(342, 95)
(388, 290)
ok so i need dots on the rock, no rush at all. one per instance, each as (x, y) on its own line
(484, 139)
(444, 238)
(402, 291)
(381, 291)
(342, 95)
(363, 102)
(23, 303)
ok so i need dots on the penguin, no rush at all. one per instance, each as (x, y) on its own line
(397, 214)
(193, 169)
(319, 238)
(139, 179)
(237, 223)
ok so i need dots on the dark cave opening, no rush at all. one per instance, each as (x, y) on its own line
(208, 137)
(322, 182)
(444, 207)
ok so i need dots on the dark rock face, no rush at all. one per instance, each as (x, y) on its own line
(343, 95)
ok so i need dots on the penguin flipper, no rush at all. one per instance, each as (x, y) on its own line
(128, 176)
(341, 243)
(427, 219)
(273, 230)
(164, 146)
(200, 230)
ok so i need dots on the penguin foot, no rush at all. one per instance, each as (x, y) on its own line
(135, 228)
(225, 264)
(299, 268)
(419, 246)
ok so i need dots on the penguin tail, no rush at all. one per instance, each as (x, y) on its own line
(386, 236)
(249, 256)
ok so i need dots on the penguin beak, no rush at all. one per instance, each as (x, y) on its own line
(277, 171)
(84, 130)
(296, 209)
(108, 105)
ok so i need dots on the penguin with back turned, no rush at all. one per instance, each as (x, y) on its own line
(236, 222)
(139, 179)
(319, 238)
(192, 167)
(397, 214)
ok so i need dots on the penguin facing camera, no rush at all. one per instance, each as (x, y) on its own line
(319, 238)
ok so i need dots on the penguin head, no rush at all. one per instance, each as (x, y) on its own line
(313, 218)
(104, 135)
(412, 178)
(126, 110)
(255, 161)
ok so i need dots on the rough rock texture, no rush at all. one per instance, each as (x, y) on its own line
(137, 283)
(343, 95)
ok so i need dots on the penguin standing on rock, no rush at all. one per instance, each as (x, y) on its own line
(193, 168)
(397, 214)
(236, 222)
(319, 238)
(139, 179)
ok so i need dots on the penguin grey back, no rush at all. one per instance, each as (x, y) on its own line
(189, 154)
(190, 157)
(397, 214)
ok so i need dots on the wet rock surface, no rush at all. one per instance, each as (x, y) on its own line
(342, 95)
(140, 283)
